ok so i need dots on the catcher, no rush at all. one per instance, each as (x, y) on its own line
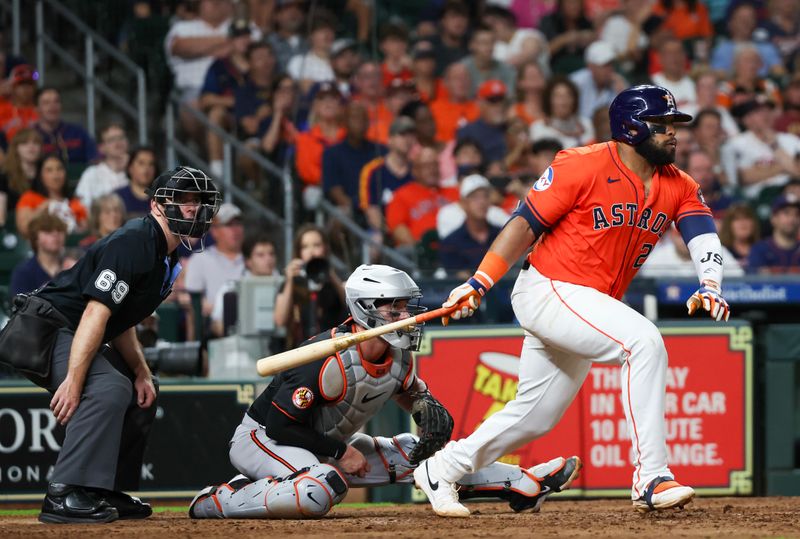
(299, 448)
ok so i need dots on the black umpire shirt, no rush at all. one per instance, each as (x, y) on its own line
(128, 271)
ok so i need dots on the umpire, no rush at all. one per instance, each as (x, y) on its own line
(76, 338)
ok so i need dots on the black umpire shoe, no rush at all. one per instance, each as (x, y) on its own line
(68, 504)
(128, 507)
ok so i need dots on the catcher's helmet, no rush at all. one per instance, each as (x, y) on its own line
(168, 190)
(371, 285)
(633, 107)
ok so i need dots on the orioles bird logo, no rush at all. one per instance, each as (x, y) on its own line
(302, 397)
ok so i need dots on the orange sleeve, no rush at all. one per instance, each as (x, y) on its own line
(78, 210)
(308, 159)
(397, 210)
(692, 201)
(556, 191)
(30, 199)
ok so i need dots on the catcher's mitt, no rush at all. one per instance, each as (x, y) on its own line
(435, 425)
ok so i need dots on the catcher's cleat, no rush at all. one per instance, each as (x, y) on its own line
(442, 494)
(663, 493)
(553, 476)
(205, 504)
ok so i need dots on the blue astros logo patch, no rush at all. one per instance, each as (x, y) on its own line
(544, 181)
(302, 397)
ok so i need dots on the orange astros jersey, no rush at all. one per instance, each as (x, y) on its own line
(597, 227)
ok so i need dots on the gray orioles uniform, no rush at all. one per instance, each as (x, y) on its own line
(290, 439)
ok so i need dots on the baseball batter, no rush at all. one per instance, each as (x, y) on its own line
(594, 216)
(299, 448)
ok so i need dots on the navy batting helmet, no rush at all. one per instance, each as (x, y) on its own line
(633, 107)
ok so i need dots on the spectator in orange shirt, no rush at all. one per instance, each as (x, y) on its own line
(414, 206)
(685, 19)
(530, 88)
(394, 46)
(368, 84)
(429, 86)
(48, 193)
(326, 130)
(458, 108)
(20, 111)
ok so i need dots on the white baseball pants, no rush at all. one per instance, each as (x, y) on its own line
(567, 327)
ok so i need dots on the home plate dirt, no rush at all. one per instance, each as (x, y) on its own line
(706, 517)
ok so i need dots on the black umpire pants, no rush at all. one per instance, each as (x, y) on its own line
(106, 436)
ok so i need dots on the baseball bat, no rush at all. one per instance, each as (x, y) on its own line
(311, 352)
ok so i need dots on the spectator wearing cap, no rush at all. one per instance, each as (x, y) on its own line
(488, 130)
(252, 101)
(315, 65)
(47, 236)
(450, 44)
(191, 46)
(414, 206)
(760, 157)
(463, 249)
(70, 141)
(325, 130)
(452, 216)
(673, 75)
(780, 253)
(288, 40)
(344, 61)
(342, 162)
(19, 111)
(599, 84)
(457, 108)
(481, 63)
(207, 271)
(400, 93)
(224, 76)
(109, 174)
(788, 121)
(382, 176)
(513, 45)
(562, 120)
(423, 67)
(369, 90)
(394, 47)
(741, 26)
(278, 132)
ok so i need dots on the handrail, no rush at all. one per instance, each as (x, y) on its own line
(331, 210)
(392, 254)
(87, 70)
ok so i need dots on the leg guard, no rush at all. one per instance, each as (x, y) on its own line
(523, 489)
(308, 493)
(387, 457)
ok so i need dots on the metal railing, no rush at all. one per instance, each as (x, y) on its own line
(86, 69)
(230, 144)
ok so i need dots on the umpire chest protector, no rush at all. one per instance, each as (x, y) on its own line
(356, 389)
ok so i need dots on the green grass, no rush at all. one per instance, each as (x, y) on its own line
(176, 509)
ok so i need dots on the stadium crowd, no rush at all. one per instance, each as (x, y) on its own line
(425, 121)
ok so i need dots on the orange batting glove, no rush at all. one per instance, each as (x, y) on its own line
(467, 298)
(709, 298)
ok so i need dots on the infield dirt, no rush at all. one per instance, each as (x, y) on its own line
(706, 517)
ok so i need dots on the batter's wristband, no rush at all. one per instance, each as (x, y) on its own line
(492, 268)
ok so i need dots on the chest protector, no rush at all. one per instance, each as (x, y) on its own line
(356, 392)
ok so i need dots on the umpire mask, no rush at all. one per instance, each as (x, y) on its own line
(186, 186)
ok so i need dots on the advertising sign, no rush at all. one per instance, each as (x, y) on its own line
(187, 449)
(708, 405)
